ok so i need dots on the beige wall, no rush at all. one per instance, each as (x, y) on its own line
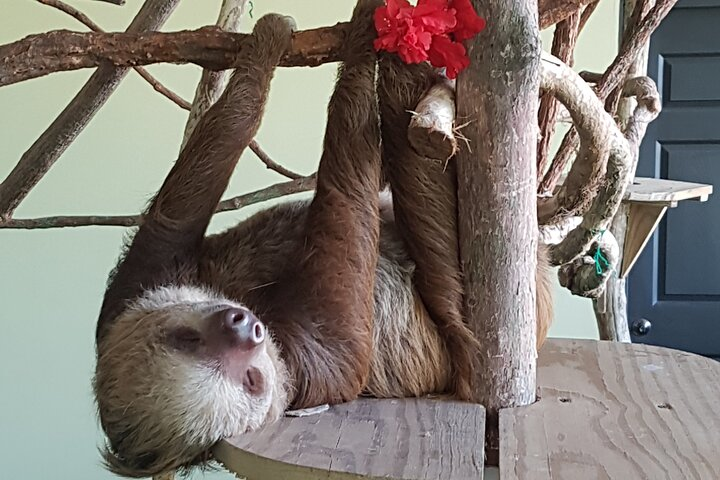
(52, 281)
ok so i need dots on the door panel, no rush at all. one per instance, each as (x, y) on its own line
(675, 283)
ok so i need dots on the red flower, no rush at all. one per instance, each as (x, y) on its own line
(469, 23)
(430, 31)
(409, 30)
(451, 55)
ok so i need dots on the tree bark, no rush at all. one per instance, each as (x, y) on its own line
(498, 96)
(41, 156)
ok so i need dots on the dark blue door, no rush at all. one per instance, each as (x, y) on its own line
(675, 284)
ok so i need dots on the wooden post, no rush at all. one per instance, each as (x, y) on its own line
(498, 96)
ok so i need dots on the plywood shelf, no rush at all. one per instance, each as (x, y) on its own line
(660, 190)
(606, 410)
(404, 439)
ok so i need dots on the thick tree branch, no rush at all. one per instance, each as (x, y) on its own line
(41, 156)
(61, 50)
(600, 137)
(236, 203)
(209, 47)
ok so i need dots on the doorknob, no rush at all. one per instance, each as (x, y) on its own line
(641, 327)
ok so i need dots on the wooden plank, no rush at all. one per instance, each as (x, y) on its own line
(615, 411)
(368, 438)
(642, 220)
(660, 190)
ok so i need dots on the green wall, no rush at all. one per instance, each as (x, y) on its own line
(52, 281)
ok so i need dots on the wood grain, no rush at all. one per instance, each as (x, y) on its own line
(367, 438)
(616, 411)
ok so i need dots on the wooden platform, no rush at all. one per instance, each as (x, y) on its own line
(616, 411)
(368, 438)
(606, 411)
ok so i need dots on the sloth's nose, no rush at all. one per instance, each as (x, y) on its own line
(244, 327)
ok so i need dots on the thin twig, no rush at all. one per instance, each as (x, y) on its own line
(236, 203)
(114, 2)
(271, 164)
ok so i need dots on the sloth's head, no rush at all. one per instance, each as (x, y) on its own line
(179, 371)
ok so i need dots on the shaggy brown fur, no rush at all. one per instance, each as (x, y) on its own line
(359, 294)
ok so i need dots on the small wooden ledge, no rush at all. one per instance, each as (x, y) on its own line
(368, 438)
(615, 411)
(649, 199)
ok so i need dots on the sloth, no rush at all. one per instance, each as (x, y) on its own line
(356, 291)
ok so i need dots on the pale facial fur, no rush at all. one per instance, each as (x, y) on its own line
(162, 408)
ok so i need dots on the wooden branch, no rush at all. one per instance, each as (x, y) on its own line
(599, 133)
(431, 127)
(114, 2)
(272, 164)
(497, 223)
(611, 306)
(41, 156)
(209, 47)
(236, 203)
(556, 233)
(563, 46)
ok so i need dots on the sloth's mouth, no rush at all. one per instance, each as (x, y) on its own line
(253, 381)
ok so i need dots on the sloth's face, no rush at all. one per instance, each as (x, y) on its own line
(173, 380)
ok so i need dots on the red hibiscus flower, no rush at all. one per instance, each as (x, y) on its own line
(409, 30)
(469, 23)
(429, 31)
(451, 55)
